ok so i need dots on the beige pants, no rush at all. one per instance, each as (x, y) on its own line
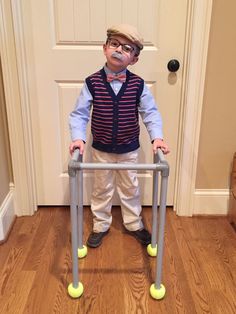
(126, 183)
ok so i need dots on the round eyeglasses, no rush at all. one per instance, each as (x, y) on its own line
(114, 43)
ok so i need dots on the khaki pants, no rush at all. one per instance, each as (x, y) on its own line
(126, 183)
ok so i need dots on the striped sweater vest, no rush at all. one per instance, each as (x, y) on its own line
(115, 118)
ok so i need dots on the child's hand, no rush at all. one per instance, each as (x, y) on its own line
(159, 143)
(77, 143)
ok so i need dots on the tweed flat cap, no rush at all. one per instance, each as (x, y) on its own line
(128, 31)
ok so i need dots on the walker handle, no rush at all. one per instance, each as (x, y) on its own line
(76, 155)
(160, 155)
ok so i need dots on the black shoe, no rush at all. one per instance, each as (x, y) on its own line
(95, 238)
(143, 236)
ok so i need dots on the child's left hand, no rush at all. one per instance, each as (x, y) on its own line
(159, 143)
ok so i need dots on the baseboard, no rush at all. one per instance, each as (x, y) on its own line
(7, 215)
(211, 202)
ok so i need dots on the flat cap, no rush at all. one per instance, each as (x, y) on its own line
(128, 31)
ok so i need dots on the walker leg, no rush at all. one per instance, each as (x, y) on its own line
(157, 290)
(82, 249)
(75, 289)
(152, 247)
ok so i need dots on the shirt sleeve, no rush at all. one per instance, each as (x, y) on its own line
(150, 115)
(79, 117)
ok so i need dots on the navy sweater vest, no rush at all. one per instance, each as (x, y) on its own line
(115, 118)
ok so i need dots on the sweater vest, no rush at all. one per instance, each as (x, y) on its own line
(115, 118)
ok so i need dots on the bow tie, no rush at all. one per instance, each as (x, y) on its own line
(119, 77)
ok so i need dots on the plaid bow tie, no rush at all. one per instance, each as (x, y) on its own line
(120, 77)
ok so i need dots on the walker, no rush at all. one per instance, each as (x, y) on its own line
(75, 171)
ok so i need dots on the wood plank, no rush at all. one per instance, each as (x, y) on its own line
(199, 267)
(15, 299)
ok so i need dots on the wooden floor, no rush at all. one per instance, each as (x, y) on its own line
(199, 270)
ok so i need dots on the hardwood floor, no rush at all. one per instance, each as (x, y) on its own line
(199, 270)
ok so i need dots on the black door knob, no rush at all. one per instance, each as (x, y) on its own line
(173, 65)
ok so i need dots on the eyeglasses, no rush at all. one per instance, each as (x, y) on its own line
(114, 43)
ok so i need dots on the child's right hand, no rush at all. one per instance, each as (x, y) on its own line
(79, 144)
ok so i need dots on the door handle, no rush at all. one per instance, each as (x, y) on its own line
(173, 65)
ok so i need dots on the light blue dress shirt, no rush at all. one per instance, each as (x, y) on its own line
(148, 111)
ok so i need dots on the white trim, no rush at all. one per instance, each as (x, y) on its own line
(192, 104)
(7, 214)
(24, 83)
(211, 202)
(17, 106)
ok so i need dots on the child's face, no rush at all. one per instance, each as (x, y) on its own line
(120, 53)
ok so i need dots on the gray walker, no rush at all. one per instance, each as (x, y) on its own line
(75, 170)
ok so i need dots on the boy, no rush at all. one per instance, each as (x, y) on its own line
(116, 97)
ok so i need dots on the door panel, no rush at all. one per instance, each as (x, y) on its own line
(67, 39)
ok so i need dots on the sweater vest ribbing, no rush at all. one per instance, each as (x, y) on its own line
(115, 118)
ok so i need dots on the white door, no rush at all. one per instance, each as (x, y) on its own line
(66, 44)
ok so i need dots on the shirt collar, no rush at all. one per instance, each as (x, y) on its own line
(107, 70)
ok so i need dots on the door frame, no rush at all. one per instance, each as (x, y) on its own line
(19, 92)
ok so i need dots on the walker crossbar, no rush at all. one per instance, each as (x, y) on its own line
(75, 171)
